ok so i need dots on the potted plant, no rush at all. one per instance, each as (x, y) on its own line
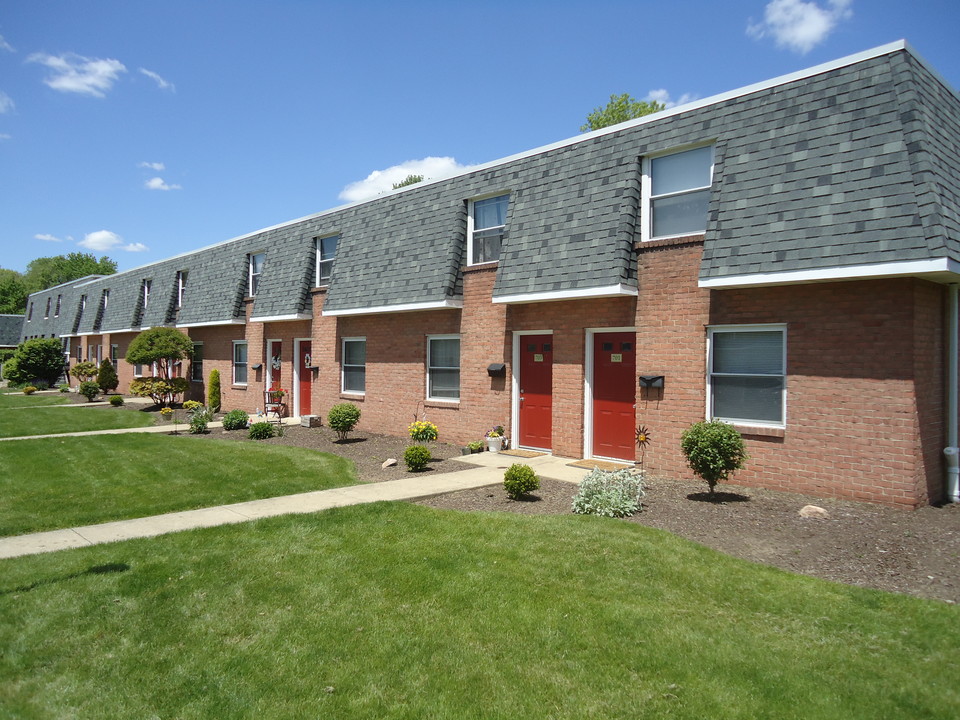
(494, 438)
(277, 394)
(475, 446)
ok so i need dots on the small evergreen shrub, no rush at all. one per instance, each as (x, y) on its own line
(29, 390)
(89, 390)
(607, 493)
(262, 431)
(343, 417)
(191, 405)
(107, 377)
(713, 450)
(416, 457)
(423, 431)
(116, 400)
(213, 391)
(520, 479)
(64, 388)
(236, 420)
(85, 371)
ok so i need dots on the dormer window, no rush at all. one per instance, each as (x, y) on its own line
(677, 192)
(56, 312)
(30, 312)
(181, 286)
(46, 313)
(486, 226)
(326, 251)
(256, 269)
(146, 293)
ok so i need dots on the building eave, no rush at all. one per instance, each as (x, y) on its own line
(618, 290)
(408, 307)
(936, 270)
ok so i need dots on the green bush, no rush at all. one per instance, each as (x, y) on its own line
(89, 390)
(213, 391)
(236, 420)
(107, 377)
(199, 416)
(520, 479)
(343, 418)
(607, 493)
(417, 457)
(64, 388)
(191, 405)
(37, 359)
(84, 371)
(29, 390)
(161, 391)
(423, 431)
(116, 400)
(713, 450)
(262, 431)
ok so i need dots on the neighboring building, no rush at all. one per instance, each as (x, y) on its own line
(783, 257)
(10, 328)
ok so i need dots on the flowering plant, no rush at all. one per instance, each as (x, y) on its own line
(277, 394)
(495, 431)
(423, 431)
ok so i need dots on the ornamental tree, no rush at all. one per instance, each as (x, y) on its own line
(164, 346)
(37, 359)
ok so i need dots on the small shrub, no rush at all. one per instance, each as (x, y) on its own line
(107, 377)
(423, 431)
(343, 417)
(713, 450)
(84, 371)
(162, 391)
(213, 391)
(29, 390)
(191, 405)
(64, 388)
(116, 400)
(520, 479)
(416, 457)
(262, 431)
(199, 416)
(616, 493)
(236, 420)
(475, 446)
(89, 390)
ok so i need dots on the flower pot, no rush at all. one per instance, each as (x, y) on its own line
(494, 444)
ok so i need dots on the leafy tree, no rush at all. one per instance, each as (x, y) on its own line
(13, 293)
(107, 377)
(713, 450)
(37, 359)
(408, 180)
(161, 345)
(46, 272)
(84, 371)
(620, 109)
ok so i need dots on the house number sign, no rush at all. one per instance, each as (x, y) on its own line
(616, 357)
(538, 357)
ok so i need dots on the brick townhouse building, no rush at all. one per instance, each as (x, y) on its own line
(783, 257)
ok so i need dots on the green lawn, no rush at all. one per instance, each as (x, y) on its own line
(65, 482)
(399, 611)
(50, 420)
(16, 399)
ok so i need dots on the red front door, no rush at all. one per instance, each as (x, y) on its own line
(273, 357)
(536, 391)
(614, 395)
(305, 375)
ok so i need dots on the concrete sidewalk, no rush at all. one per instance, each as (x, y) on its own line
(488, 471)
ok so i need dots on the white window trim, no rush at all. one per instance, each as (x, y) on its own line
(317, 244)
(646, 189)
(451, 401)
(233, 363)
(181, 286)
(343, 356)
(146, 292)
(250, 257)
(714, 329)
(471, 225)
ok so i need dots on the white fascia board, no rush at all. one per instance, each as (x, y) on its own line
(851, 272)
(121, 330)
(88, 334)
(582, 294)
(283, 318)
(213, 323)
(409, 307)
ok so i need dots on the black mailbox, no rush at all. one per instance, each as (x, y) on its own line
(651, 381)
(497, 370)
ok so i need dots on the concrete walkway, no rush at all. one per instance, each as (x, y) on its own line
(488, 471)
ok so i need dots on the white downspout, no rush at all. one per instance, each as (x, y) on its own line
(952, 452)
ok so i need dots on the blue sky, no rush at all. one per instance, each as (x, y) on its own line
(143, 130)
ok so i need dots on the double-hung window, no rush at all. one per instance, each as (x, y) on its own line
(747, 374)
(326, 251)
(443, 367)
(196, 364)
(146, 293)
(354, 365)
(256, 269)
(239, 362)
(115, 356)
(487, 222)
(677, 188)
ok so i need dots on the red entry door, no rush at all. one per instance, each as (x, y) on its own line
(614, 395)
(536, 391)
(273, 357)
(305, 375)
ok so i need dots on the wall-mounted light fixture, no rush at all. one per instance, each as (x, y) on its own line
(651, 381)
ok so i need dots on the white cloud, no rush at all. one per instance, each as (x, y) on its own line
(161, 83)
(46, 237)
(662, 96)
(153, 166)
(104, 240)
(381, 181)
(4, 45)
(74, 73)
(4, 136)
(158, 183)
(800, 25)
(6, 103)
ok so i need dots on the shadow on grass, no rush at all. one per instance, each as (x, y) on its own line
(718, 498)
(107, 569)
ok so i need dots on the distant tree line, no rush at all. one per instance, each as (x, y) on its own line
(44, 273)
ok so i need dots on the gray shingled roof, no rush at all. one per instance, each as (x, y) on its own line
(10, 328)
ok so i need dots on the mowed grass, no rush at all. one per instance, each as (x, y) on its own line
(51, 483)
(398, 611)
(27, 421)
(10, 398)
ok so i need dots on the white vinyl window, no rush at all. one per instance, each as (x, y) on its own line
(677, 192)
(196, 364)
(181, 286)
(747, 374)
(115, 356)
(256, 270)
(443, 367)
(354, 365)
(326, 251)
(239, 362)
(486, 226)
(146, 293)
